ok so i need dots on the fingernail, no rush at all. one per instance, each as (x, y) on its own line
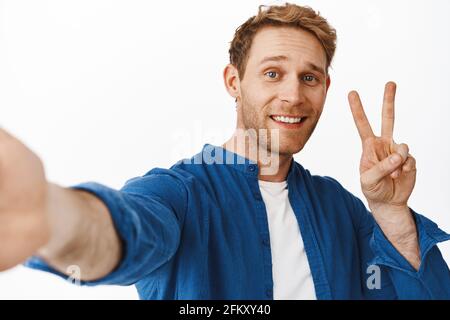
(395, 158)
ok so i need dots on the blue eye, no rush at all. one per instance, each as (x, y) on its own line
(309, 78)
(271, 74)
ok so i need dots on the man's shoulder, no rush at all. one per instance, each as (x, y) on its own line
(318, 181)
(183, 174)
(330, 192)
(325, 186)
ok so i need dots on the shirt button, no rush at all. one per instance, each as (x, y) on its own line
(266, 242)
(252, 168)
(269, 293)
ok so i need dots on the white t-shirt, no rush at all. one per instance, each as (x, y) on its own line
(291, 273)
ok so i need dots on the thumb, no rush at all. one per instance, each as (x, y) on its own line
(371, 177)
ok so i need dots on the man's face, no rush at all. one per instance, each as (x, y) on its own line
(285, 79)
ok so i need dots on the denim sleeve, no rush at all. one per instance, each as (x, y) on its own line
(431, 281)
(148, 214)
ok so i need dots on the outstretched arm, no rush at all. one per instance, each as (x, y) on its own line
(61, 225)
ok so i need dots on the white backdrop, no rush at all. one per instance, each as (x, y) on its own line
(106, 90)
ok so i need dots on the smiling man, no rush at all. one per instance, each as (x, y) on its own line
(222, 226)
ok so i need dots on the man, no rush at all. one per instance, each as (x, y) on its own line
(241, 221)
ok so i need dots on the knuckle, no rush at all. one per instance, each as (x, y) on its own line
(404, 147)
(410, 164)
(413, 164)
(385, 165)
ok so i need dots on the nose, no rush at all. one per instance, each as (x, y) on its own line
(292, 92)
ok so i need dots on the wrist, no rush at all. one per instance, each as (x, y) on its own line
(61, 221)
(397, 222)
(399, 227)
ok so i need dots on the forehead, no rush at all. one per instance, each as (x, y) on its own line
(296, 44)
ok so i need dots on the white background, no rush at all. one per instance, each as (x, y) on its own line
(106, 90)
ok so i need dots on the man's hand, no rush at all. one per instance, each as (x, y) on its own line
(62, 226)
(388, 176)
(24, 225)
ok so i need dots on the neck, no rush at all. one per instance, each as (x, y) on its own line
(273, 166)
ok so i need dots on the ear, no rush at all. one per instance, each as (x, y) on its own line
(231, 80)
(328, 82)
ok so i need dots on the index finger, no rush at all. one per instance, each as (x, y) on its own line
(359, 116)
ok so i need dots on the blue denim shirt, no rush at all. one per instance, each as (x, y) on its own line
(199, 230)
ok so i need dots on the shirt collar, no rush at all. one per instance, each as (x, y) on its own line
(215, 154)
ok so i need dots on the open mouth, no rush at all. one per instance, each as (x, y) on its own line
(288, 121)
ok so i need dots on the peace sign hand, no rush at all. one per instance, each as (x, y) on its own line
(387, 170)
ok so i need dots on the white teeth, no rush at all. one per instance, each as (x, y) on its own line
(287, 119)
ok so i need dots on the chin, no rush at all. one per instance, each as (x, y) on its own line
(289, 149)
(294, 150)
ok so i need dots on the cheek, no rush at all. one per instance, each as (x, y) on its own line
(317, 100)
(256, 98)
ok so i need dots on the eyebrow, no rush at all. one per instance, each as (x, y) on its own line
(273, 58)
(284, 58)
